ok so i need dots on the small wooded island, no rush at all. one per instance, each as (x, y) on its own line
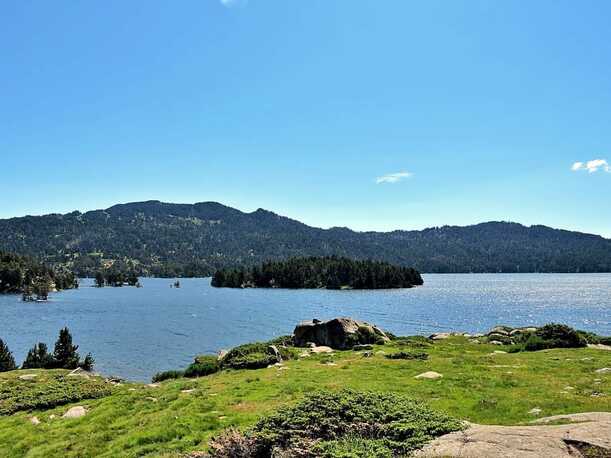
(330, 272)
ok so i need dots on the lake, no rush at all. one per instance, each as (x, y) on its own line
(134, 333)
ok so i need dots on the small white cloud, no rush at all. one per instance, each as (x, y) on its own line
(592, 166)
(232, 3)
(393, 177)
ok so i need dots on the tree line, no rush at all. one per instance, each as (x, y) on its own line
(115, 278)
(23, 274)
(64, 356)
(329, 272)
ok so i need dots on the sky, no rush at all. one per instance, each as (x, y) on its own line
(367, 114)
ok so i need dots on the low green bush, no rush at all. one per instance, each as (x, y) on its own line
(408, 355)
(167, 375)
(341, 424)
(49, 389)
(202, 366)
(552, 335)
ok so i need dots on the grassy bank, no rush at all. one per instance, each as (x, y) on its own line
(181, 415)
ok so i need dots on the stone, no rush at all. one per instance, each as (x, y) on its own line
(338, 333)
(600, 346)
(430, 375)
(274, 351)
(604, 370)
(588, 433)
(222, 354)
(496, 342)
(79, 372)
(28, 377)
(75, 412)
(152, 385)
(322, 349)
(187, 391)
(499, 352)
(34, 420)
(440, 336)
(535, 411)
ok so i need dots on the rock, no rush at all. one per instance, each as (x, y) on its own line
(222, 354)
(590, 434)
(604, 370)
(440, 336)
(367, 354)
(322, 349)
(151, 399)
(430, 375)
(75, 412)
(34, 420)
(503, 330)
(600, 346)
(78, 372)
(535, 411)
(499, 352)
(152, 385)
(187, 391)
(28, 377)
(339, 333)
(274, 351)
(495, 342)
(362, 347)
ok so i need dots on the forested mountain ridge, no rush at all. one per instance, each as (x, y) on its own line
(158, 238)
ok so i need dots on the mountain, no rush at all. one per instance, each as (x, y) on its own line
(164, 239)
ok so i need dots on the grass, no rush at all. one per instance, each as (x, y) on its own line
(46, 389)
(478, 385)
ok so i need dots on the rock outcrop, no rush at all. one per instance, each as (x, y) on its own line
(588, 435)
(338, 333)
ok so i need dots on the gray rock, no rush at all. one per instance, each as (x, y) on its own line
(562, 441)
(339, 333)
(75, 412)
(430, 375)
(28, 377)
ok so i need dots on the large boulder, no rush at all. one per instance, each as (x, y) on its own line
(338, 333)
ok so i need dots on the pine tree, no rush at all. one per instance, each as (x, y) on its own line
(38, 358)
(65, 354)
(7, 362)
(99, 279)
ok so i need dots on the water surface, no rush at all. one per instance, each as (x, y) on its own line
(134, 333)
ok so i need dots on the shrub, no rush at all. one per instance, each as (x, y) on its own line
(561, 336)
(346, 424)
(408, 355)
(251, 356)
(167, 375)
(413, 341)
(203, 365)
(7, 361)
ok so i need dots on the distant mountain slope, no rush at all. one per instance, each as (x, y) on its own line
(182, 239)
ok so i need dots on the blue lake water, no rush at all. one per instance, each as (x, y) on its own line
(134, 333)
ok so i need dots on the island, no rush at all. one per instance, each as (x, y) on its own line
(330, 272)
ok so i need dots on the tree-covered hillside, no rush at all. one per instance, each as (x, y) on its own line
(22, 274)
(329, 272)
(155, 238)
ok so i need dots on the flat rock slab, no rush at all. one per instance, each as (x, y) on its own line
(321, 349)
(604, 370)
(430, 375)
(600, 346)
(75, 412)
(561, 441)
(28, 377)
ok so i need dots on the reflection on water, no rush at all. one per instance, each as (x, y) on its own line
(134, 333)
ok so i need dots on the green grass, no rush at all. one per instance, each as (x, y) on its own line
(479, 386)
(46, 389)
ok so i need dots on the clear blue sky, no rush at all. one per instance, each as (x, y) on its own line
(300, 107)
